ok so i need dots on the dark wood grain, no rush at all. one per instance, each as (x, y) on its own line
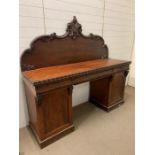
(52, 118)
(108, 92)
(73, 46)
(51, 67)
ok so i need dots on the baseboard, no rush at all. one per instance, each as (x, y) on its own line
(52, 138)
(104, 107)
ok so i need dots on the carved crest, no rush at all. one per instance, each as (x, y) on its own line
(43, 49)
(74, 29)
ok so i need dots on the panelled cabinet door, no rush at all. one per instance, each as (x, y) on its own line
(99, 91)
(55, 111)
(117, 88)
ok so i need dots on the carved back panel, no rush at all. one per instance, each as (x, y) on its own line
(73, 46)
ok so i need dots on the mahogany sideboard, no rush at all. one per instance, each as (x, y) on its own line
(50, 68)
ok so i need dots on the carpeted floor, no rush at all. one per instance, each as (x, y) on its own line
(96, 132)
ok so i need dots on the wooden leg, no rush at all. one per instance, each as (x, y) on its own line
(54, 115)
(108, 92)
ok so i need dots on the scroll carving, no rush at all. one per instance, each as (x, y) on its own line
(43, 49)
(27, 67)
(74, 29)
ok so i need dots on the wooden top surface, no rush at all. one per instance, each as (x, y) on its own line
(53, 72)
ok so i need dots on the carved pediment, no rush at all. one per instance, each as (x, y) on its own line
(71, 47)
(74, 29)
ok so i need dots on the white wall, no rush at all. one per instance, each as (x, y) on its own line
(118, 30)
(131, 81)
(110, 18)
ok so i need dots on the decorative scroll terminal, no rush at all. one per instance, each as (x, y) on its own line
(27, 67)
